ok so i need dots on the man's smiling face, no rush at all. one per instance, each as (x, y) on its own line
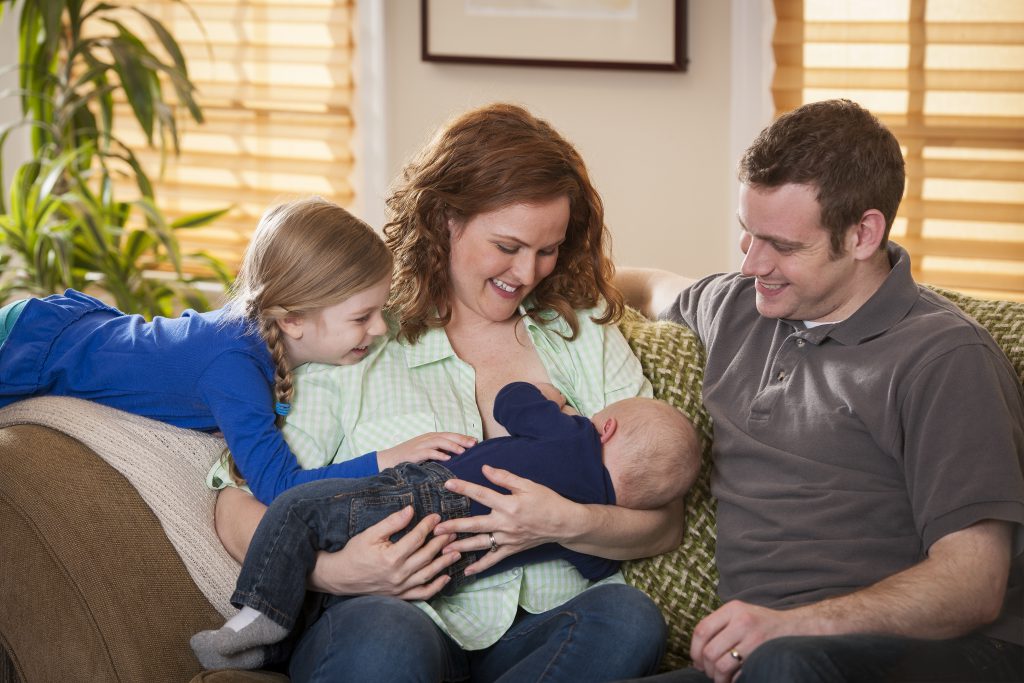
(788, 252)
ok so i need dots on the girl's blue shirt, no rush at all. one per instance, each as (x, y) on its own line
(200, 371)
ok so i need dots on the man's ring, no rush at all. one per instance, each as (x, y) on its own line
(736, 655)
(494, 544)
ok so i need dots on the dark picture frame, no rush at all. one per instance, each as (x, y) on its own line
(640, 35)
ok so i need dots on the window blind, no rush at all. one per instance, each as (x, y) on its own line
(275, 81)
(947, 77)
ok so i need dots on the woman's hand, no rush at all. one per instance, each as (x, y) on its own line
(429, 446)
(530, 515)
(370, 564)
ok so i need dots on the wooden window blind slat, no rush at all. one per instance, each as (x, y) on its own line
(969, 170)
(986, 284)
(242, 162)
(252, 200)
(893, 79)
(919, 209)
(948, 79)
(332, 57)
(965, 248)
(953, 131)
(797, 32)
(274, 78)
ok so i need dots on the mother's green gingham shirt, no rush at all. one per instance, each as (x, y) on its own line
(401, 391)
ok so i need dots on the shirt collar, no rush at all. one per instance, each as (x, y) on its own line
(549, 334)
(433, 345)
(885, 308)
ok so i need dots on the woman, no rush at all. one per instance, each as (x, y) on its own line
(500, 250)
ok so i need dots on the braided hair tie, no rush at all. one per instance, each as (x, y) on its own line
(282, 409)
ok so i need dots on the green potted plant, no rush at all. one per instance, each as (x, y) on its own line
(62, 224)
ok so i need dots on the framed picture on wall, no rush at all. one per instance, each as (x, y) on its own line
(599, 34)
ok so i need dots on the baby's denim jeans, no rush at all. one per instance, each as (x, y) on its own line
(324, 515)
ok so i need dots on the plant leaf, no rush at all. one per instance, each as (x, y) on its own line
(220, 270)
(137, 244)
(158, 226)
(141, 177)
(195, 220)
(135, 81)
(167, 40)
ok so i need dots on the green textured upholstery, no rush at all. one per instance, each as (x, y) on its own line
(682, 582)
(1004, 320)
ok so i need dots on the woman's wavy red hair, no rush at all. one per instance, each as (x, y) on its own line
(483, 160)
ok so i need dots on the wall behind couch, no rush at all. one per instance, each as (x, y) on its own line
(17, 148)
(661, 147)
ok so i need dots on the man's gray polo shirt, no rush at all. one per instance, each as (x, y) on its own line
(843, 451)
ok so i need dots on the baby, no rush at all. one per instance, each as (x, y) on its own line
(638, 453)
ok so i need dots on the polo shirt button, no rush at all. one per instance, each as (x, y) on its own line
(800, 342)
(781, 376)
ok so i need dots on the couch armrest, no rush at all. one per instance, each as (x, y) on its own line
(90, 586)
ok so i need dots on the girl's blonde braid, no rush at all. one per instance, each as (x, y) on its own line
(271, 334)
(283, 387)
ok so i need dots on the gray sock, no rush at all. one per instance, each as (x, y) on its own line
(219, 645)
(253, 658)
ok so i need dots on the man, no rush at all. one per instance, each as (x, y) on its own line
(869, 437)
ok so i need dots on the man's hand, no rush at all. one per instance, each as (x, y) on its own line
(736, 627)
(956, 589)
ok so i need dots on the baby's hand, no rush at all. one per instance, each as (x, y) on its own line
(551, 393)
(429, 446)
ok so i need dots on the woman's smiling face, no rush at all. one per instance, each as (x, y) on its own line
(498, 257)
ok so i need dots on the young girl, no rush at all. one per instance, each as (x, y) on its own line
(310, 289)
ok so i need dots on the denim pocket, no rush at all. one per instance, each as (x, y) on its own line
(370, 508)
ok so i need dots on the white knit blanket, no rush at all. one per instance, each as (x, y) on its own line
(166, 464)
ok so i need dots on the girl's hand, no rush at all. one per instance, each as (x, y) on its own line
(430, 446)
(531, 514)
(370, 564)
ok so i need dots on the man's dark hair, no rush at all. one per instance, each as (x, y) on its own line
(852, 160)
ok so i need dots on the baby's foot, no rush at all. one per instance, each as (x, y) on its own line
(253, 658)
(240, 637)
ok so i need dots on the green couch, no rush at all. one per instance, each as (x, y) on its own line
(92, 589)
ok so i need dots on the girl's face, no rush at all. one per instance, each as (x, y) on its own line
(498, 257)
(340, 334)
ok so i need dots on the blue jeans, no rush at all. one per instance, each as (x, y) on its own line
(873, 659)
(608, 632)
(325, 515)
